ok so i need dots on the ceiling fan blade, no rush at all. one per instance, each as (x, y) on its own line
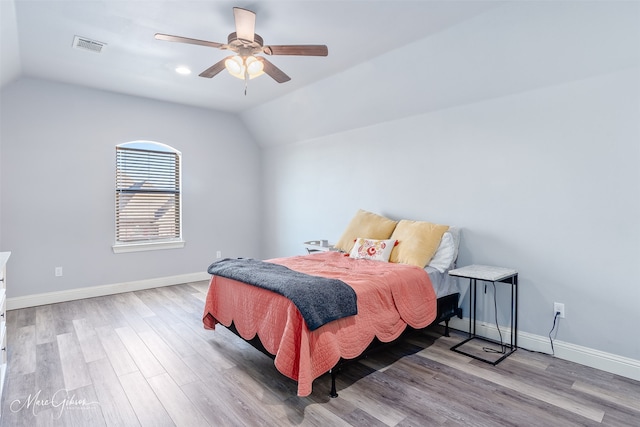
(245, 23)
(274, 72)
(303, 50)
(180, 39)
(214, 69)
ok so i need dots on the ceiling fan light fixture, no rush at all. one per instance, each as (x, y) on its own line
(235, 67)
(254, 66)
(242, 68)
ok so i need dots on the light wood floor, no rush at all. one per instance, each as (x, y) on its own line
(143, 358)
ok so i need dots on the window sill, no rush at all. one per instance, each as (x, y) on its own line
(140, 247)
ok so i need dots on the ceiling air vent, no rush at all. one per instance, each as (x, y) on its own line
(88, 44)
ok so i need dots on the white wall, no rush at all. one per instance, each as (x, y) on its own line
(542, 172)
(9, 55)
(58, 177)
(547, 182)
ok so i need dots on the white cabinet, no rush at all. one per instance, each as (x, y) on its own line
(4, 257)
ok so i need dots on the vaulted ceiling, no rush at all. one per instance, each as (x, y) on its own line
(37, 38)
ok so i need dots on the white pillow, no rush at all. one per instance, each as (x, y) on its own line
(447, 252)
(377, 250)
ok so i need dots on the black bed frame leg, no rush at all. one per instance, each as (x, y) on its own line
(457, 313)
(333, 393)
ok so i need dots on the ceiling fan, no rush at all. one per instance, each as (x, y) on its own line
(246, 44)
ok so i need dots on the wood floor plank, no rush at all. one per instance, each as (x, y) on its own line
(318, 415)
(201, 297)
(116, 351)
(170, 361)
(176, 342)
(144, 359)
(177, 404)
(631, 401)
(145, 403)
(19, 318)
(443, 408)
(203, 369)
(74, 368)
(248, 406)
(166, 305)
(103, 311)
(445, 400)
(522, 404)
(129, 304)
(133, 310)
(89, 342)
(178, 306)
(77, 407)
(16, 408)
(49, 376)
(343, 408)
(255, 396)
(358, 417)
(530, 359)
(166, 310)
(200, 287)
(63, 314)
(187, 326)
(185, 300)
(45, 322)
(497, 378)
(207, 347)
(115, 406)
(210, 398)
(22, 351)
(322, 412)
(368, 401)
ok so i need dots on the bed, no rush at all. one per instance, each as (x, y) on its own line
(391, 298)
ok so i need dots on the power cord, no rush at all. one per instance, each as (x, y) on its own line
(555, 318)
(553, 352)
(503, 348)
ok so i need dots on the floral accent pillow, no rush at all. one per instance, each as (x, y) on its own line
(365, 224)
(377, 250)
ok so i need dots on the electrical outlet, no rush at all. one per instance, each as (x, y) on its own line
(58, 272)
(558, 307)
(218, 254)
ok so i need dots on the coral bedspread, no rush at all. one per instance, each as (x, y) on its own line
(390, 297)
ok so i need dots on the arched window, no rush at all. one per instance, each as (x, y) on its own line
(148, 197)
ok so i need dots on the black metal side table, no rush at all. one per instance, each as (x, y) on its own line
(489, 274)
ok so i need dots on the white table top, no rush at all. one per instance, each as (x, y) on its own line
(483, 272)
(319, 245)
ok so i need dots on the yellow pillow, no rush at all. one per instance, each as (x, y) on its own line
(417, 242)
(368, 225)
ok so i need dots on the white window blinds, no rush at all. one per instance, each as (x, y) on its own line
(147, 195)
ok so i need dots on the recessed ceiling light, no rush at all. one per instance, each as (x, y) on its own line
(183, 70)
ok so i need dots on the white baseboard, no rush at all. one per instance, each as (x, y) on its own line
(98, 291)
(619, 365)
